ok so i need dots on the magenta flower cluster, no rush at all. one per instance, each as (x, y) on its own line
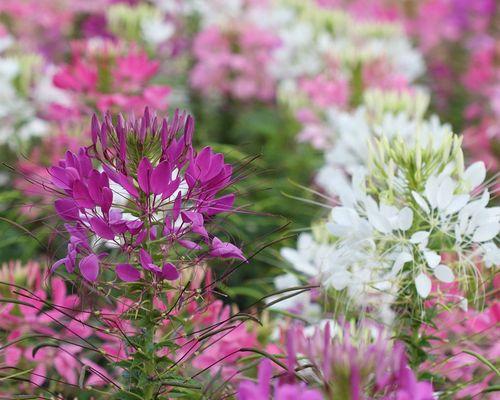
(153, 191)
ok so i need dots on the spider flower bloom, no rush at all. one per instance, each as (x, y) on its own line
(355, 363)
(107, 76)
(143, 188)
(232, 62)
(262, 389)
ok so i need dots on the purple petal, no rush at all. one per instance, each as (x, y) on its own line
(59, 177)
(127, 273)
(67, 209)
(81, 195)
(101, 228)
(169, 272)
(171, 188)
(222, 204)
(89, 267)
(160, 178)
(225, 250)
(94, 129)
(128, 185)
(192, 216)
(145, 258)
(144, 175)
(153, 268)
(188, 244)
(107, 199)
(57, 264)
(176, 209)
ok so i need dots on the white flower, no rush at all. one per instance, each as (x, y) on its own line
(156, 30)
(346, 223)
(386, 218)
(491, 254)
(302, 259)
(477, 222)
(300, 302)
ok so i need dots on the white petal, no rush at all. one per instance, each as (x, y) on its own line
(486, 232)
(423, 285)
(286, 281)
(475, 174)
(464, 304)
(457, 204)
(432, 258)
(371, 205)
(421, 202)
(344, 216)
(444, 273)
(339, 280)
(445, 192)
(400, 261)
(431, 190)
(298, 261)
(380, 223)
(491, 255)
(405, 219)
(419, 237)
(305, 241)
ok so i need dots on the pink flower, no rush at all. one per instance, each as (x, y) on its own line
(325, 92)
(261, 390)
(223, 70)
(221, 352)
(112, 76)
(457, 330)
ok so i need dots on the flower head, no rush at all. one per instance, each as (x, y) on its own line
(143, 188)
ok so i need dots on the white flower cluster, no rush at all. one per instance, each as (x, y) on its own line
(407, 212)
(315, 39)
(18, 116)
(141, 23)
(425, 217)
(388, 115)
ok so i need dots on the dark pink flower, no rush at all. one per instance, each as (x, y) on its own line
(152, 187)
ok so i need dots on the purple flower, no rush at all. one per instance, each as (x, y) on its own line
(262, 389)
(356, 362)
(142, 185)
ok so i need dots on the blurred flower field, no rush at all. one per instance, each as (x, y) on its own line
(249, 199)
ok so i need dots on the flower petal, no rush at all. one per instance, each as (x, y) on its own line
(67, 209)
(127, 273)
(405, 218)
(444, 273)
(432, 258)
(475, 174)
(89, 267)
(169, 272)
(423, 285)
(486, 232)
(160, 177)
(144, 175)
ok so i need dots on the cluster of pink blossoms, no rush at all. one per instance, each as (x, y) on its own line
(464, 328)
(153, 186)
(360, 363)
(234, 62)
(49, 314)
(458, 39)
(106, 76)
(46, 26)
